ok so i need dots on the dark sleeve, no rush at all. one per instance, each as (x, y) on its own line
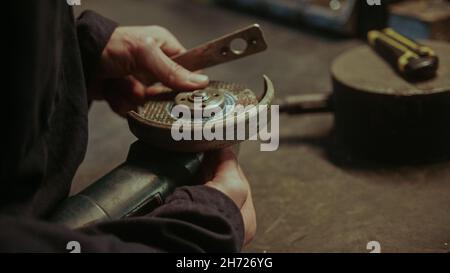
(93, 31)
(194, 219)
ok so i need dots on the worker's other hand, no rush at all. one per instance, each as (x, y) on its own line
(133, 61)
(226, 175)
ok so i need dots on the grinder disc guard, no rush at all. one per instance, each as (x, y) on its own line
(153, 123)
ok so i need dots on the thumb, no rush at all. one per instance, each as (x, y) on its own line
(227, 177)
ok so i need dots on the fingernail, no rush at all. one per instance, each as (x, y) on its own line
(198, 78)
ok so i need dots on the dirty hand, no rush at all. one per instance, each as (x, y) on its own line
(226, 176)
(134, 59)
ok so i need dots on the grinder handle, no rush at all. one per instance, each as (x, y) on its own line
(134, 188)
(120, 193)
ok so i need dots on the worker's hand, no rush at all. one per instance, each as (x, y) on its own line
(226, 176)
(136, 58)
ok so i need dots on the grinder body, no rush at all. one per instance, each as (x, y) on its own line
(134, 188)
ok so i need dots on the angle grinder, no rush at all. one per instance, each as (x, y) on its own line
(157, 163)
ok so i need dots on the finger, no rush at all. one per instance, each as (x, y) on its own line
(226, 164)
(137, 91)
(249, 217)
(154, 61)
(127, 89)
(171, 46)
(206, 171)
(209, 165)
(124, 94)
(248, 214)
(227, 178)
(169, 43)
(155, 90)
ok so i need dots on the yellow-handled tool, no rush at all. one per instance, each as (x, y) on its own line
(411, 59)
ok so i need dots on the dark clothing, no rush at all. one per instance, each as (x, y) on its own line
(45, 134)
(194, 219)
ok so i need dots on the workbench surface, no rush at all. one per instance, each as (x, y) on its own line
(306, 200)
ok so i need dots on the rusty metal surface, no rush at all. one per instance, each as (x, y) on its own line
(221, 50)
(305, 201)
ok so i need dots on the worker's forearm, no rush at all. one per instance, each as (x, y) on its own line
(93, 31)
(194, 219)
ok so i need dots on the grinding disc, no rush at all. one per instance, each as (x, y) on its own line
(153, 123)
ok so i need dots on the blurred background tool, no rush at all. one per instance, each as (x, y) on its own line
(412, 60)
(418, 19)
(348, 17)
(422, 19)
(381, 116)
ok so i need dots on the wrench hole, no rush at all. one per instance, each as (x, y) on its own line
(238, 46)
